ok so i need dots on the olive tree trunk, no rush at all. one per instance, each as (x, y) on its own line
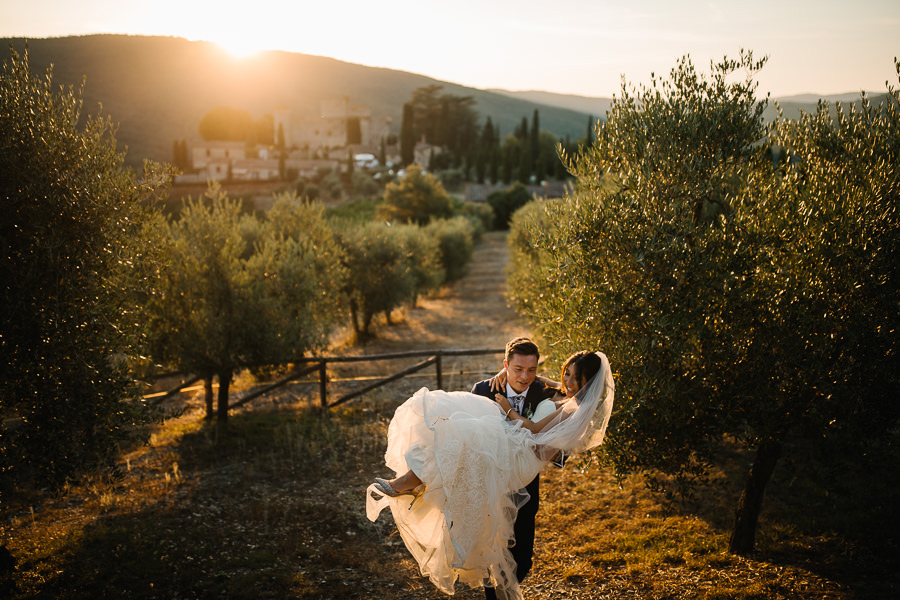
(224, 384)
(208, 397)
(747, 513)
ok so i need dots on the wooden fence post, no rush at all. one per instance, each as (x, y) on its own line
(323, 383)
(437, 366)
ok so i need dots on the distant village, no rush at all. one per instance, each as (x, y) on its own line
(312, 144)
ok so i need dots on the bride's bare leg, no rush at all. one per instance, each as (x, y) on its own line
(405, 482)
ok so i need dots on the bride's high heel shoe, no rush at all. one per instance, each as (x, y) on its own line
(384, 487)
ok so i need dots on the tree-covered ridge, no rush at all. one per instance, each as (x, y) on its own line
(157, 89)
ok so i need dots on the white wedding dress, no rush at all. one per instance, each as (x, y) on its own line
(475, 464)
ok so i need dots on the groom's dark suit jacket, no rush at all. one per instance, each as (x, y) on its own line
(523, 549)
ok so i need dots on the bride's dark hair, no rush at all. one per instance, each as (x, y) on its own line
(586, 366)
(569, 361)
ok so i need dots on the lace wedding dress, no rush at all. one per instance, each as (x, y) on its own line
(475, 464)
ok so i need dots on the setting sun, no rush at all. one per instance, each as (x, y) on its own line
(240, 47)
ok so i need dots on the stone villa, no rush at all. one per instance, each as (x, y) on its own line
(311, 142)
(329, 130)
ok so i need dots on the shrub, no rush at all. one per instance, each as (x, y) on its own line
(451, 179)
(363, 184)
(417, 197)
(237, 292)
(423, 258)
(504, 203)
(354, 211)
(455, 237)
(378, 275)
(481, 215)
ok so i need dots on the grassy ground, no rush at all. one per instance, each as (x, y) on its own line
(272, 506)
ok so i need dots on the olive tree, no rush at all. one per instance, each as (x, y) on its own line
(417, 197)
(423, 259)
(505, 202)
(379, 278)
(236, 292)
(456, 242)
(735, 297)
(70, 213)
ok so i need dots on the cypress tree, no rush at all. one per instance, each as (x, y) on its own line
(495, 164)
(281, 153)
(525, 163)
(522, 130)
(507, 165)
(407, 136)
(354, 131)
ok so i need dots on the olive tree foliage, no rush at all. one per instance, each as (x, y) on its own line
(417, 197)
(735, 297)
(70, 212)
(235, 290)
(423, 259)
(456, 239)
(390, 265)
(380, 276)
(505, 202)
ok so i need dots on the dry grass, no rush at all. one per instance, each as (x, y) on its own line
(273, 507)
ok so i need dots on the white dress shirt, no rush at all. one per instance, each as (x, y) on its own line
(517, 405)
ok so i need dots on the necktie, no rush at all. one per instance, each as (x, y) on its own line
(517, 402)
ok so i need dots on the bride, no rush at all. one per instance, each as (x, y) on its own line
(463, 462)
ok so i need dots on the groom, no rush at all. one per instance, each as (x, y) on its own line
(524, 393)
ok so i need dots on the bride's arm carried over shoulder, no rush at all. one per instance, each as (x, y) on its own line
(532, 426)
(498, 382)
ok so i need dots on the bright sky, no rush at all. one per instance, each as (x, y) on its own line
(567, 46)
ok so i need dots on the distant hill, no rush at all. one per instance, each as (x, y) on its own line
(814, 98)
(590, 105)
(792, 106)
(158, 88)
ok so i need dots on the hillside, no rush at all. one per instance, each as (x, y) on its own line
(792, 106)
(595, 106)
(158, 88)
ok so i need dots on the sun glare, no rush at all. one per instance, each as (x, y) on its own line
(240, 47)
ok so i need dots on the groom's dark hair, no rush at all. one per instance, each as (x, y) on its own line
(523, 346)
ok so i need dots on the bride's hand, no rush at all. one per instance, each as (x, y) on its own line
(498, 381)
(503, 401)
(548, 382)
